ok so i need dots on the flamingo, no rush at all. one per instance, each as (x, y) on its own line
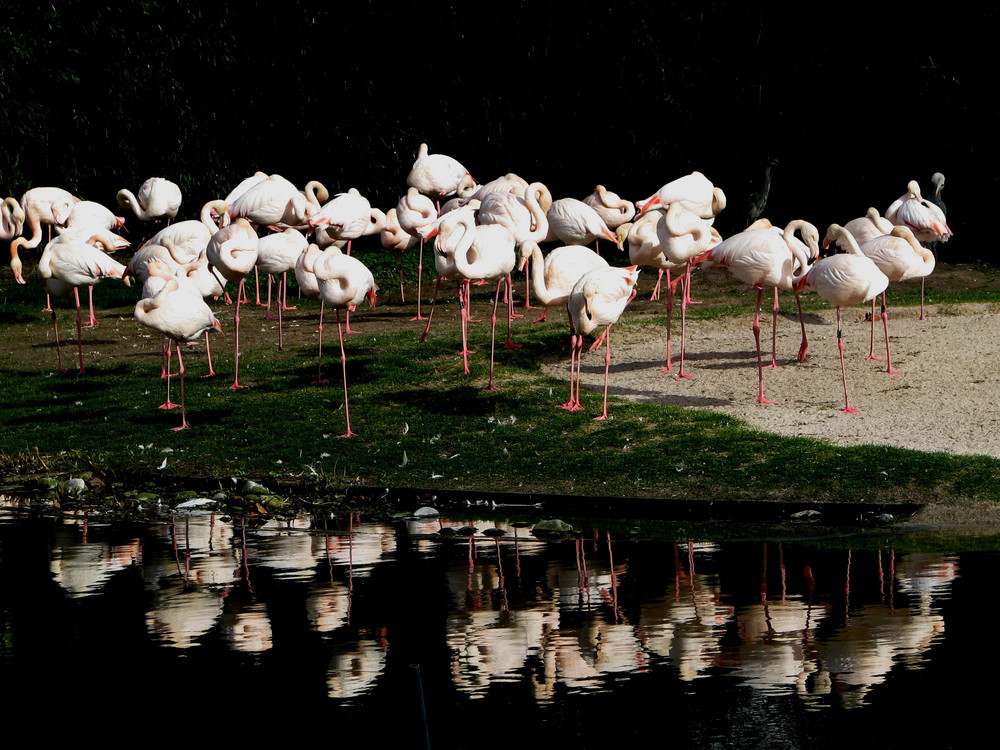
(684, 235)
(190, 237)
(767, 257)
(158, 198)
(612, 208)
(42, 205)
(598, 299)
(695, 190)
(508, 183)
(486, 251)
(394, 237)
(412, 211)
(573, 222)
(347, 217)
(233, 251)
(11, 219)
(437, 175)
(866, 227)
(900, 257)
(68, 263)
(556, 274)
(273, 202)
(925, 219)
(208, 284)
(277, 253)
(842, 280)
(444, 265)
(344, 282)
(88, 214)
(524, 216)
(179, 313)
(645, 249)
(305, 275)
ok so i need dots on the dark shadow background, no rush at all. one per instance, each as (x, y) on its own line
(849, 101)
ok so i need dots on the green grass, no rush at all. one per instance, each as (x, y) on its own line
(420, 424)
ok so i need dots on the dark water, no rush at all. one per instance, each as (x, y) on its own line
(196, 629)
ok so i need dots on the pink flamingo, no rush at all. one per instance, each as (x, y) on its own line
(695, 190)
(158, 198)
(344, 282)
(598, 299)
(233, 252)
(414, 210)
(842, 280)
(767, 257)
(437, 175)
(179, 313)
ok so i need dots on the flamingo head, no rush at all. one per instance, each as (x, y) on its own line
(643, 206)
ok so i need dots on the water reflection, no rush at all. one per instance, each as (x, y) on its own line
(491, 607)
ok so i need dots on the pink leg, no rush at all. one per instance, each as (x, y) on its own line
(760, 360)
(281, 341)
(575, 350)
(267, 312)
(509, 286)
(90, 299)
(180, 364)
(284, 294)
(437, 288)
(420, 279)
(493, 334)
(55, 329)
(848, 409)
(527, 284)
(464, 316)
(774, 332)
(208, 351)
(607, 367)
(685, 283)
(343, 366)
(256, 276)
(236, 318)
(79, 327)
(804, 346)
(885, 324)
(671, 289)
(168, 404)
(871, 344)
(922, 280)
(319, 368)
(656, 289)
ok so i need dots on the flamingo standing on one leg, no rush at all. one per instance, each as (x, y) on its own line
(277, 254)
(597, 299)
(179, 312)
(486, 252)
(233, 251)
(842, 280)
(344, 282)
(925, 219)
(394, 237)
(415, 210)
(684, 235)
(438, 175)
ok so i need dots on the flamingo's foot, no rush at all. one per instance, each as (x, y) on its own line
(511, 345)
(419, 317)
(570, 406)
(762, 400)
(289, 307)
(802, 352)
(351, 330)
(234, 386)
(772, 366)
(182, 427)
(490, 387)
(872, 358)
(209, 374)
(168, 405)
(683, 376)
(890, 371)
(348, 434)
(467, 352)
(849, 410)
(541, 318)
(601, 418)
(516, 315)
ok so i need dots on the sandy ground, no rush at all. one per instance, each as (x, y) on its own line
(945, 399)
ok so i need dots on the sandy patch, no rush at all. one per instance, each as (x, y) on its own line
(947, 397)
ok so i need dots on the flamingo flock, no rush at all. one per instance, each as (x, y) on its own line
(480, 234)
